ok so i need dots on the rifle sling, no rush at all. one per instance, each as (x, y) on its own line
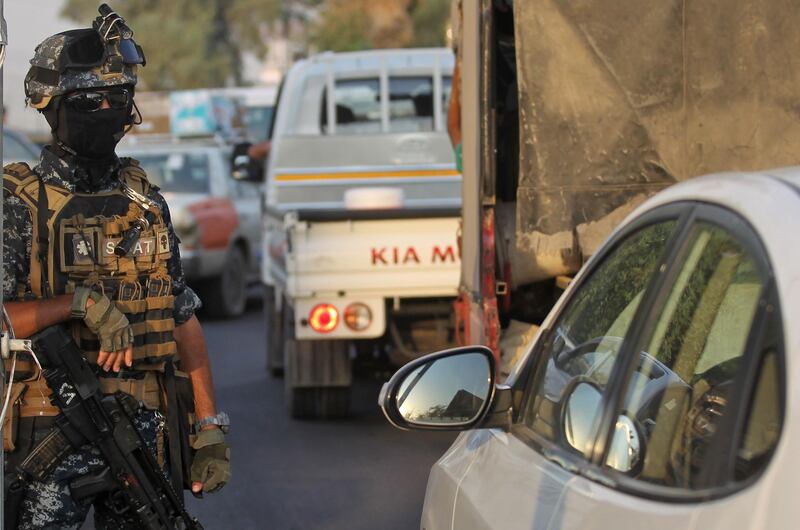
(42, 212)
(173, 431)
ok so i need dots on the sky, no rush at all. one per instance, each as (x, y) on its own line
(29, 22)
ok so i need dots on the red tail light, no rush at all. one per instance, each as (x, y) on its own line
(323, 318)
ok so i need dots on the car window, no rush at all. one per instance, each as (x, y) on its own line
(763, 420)
(589, 332)
(697, 346)
(447, 89)
(358, 106)
(410, 104)
(179, 172)
(258, 120)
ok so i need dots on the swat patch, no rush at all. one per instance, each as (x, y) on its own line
(145, 246)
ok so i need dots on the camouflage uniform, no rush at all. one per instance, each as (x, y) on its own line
(49, 504)
(18, 229)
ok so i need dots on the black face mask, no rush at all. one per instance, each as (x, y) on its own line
(91, 135)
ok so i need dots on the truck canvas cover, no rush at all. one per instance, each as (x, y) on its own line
(620, 98)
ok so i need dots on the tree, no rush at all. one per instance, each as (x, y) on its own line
(189, 43)
(345, 25)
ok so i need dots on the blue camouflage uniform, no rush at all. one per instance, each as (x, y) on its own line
(49, 504)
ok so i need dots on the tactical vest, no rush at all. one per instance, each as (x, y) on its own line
(78, 249)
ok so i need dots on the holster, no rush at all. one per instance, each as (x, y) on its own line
(180, 420)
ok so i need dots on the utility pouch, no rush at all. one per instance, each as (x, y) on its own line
(185, 395)
(11, 421)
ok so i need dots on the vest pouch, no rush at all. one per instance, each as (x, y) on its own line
(11, 421)
(145, 390)
(80, 248)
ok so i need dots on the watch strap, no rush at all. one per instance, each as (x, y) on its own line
(221, 419)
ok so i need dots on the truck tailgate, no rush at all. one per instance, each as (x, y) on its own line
(385, 257)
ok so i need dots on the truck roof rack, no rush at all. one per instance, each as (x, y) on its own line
(168, 139)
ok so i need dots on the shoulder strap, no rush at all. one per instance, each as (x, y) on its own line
(44, 202)
(134, 176)
(16, 176)
(43, 237)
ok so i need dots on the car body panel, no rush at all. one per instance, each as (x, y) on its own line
(503, 473)
(17, 148)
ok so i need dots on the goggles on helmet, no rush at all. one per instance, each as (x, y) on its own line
(87, 49)
(92, 100)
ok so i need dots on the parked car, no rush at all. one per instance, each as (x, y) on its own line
(216, 217)
(17, 148)
(657, 393)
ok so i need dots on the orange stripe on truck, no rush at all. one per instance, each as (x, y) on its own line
(290, 177)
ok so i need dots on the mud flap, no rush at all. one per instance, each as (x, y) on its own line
(318, 363)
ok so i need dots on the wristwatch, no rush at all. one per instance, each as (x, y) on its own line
(221, 419)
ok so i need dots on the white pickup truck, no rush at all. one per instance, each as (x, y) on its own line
(361, 219)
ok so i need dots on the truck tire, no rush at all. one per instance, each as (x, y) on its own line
(317, 379)
(323, 402)
(274, 327)
(226, 295)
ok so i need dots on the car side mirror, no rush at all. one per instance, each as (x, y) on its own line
(449, 390)
(581, 410)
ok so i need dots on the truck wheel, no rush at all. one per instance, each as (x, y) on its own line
(317, 378)
(274, 327)
(226, 295)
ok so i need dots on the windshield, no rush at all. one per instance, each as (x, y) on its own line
(176, 172)
(257, 120)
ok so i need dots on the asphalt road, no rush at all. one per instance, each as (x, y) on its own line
(353, 474)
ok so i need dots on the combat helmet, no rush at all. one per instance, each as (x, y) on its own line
(104, 55)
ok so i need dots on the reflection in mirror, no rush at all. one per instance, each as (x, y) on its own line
(446, 391)
(625, 450)
(583, 405)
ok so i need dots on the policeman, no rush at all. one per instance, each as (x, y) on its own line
(129, 309)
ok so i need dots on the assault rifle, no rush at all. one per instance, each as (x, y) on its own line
(133, 480)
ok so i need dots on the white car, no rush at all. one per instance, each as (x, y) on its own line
(657, 394)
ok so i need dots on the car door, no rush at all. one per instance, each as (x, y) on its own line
(656, 334)
(516, 480)
(699, 389)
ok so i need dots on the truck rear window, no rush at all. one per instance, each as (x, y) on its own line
(358, 105)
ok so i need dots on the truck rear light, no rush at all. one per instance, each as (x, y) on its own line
(358, 316)
(323, 318)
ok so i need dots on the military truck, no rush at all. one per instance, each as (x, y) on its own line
(574, 112)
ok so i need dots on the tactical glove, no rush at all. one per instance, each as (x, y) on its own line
(103, 319)
(212, 460)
